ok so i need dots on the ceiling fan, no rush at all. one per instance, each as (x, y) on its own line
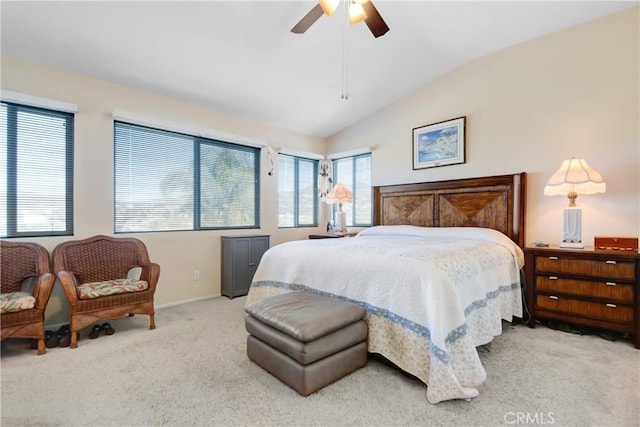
(359, 10)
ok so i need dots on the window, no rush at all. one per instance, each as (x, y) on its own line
(36, 182)
(297, 191)
(355, 173)
(168, 181)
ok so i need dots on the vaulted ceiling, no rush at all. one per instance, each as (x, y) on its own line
(240, 57)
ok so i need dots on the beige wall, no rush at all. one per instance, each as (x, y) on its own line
(572, 93)
(178, 253)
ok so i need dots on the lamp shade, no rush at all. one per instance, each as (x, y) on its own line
(340, 194)
(575, 175)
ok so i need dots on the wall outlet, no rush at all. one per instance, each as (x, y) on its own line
(196, 275)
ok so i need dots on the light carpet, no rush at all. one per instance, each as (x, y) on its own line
(193, 371)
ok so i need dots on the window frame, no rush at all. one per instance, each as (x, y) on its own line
(197, 143)
(353, 188)
(12, 169)
(296, 192)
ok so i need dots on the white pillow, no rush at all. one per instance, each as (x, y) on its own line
(475, 233)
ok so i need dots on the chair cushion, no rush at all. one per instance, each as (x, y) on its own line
(111, 287)
(16, 301)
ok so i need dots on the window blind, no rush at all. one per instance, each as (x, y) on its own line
(355, 173)
(297, 191)
(167, 181)
(36, 172)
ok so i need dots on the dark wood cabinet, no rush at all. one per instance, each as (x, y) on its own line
(333, 235)
(585, 287)
(325, 236)
(240, 258)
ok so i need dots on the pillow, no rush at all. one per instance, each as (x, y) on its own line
(474, 233)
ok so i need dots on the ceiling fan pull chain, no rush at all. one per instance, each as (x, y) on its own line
(345, 53)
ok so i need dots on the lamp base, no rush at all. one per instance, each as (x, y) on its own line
(572, 227)
(341, 222)
(572, 245)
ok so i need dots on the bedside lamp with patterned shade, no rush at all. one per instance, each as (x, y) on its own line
(339, 195)
(574, 177)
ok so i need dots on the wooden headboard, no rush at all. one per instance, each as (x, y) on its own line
(496, 202)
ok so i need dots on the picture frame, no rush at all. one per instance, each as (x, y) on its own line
(439, 144)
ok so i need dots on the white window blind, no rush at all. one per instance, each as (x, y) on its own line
(355, 173)
(154, 188)
(167, 181)
(228, 190)
(297, 191)
(36, 172)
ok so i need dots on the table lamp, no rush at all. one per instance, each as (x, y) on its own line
(339, 195)
(574, 177)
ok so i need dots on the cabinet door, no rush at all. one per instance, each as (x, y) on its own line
(259, 246)
(242, 266)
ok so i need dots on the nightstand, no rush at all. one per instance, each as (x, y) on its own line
(333, 235)
(325, 236)
(584, 286)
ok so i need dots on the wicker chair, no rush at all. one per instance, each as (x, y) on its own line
(104, 259)
(21, 261)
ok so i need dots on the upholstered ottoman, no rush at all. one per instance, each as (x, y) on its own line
(306, 340)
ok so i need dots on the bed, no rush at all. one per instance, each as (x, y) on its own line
(437, 275)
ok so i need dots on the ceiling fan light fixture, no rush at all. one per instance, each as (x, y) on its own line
(329, 6)
(356, 13)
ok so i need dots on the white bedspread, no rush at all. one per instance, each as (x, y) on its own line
(432, 295)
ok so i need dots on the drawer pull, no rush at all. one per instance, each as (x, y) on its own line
(610, 284)
(553, 297)
(553, 277)
(611, 305)
(555, 258)
(610, 262)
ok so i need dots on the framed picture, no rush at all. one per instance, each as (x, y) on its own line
(439, 144)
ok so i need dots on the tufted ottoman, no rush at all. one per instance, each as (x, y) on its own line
(306, 340)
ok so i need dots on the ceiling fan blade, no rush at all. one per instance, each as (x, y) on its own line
(308, 20)
(374, 20)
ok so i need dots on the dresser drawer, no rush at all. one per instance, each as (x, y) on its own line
(622, 292)
(610, 269)
(594, 310)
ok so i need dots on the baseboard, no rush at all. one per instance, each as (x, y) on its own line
(186, 301)
(56, 326)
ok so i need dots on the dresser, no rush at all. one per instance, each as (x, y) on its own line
(240, 258)
(585, 287)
